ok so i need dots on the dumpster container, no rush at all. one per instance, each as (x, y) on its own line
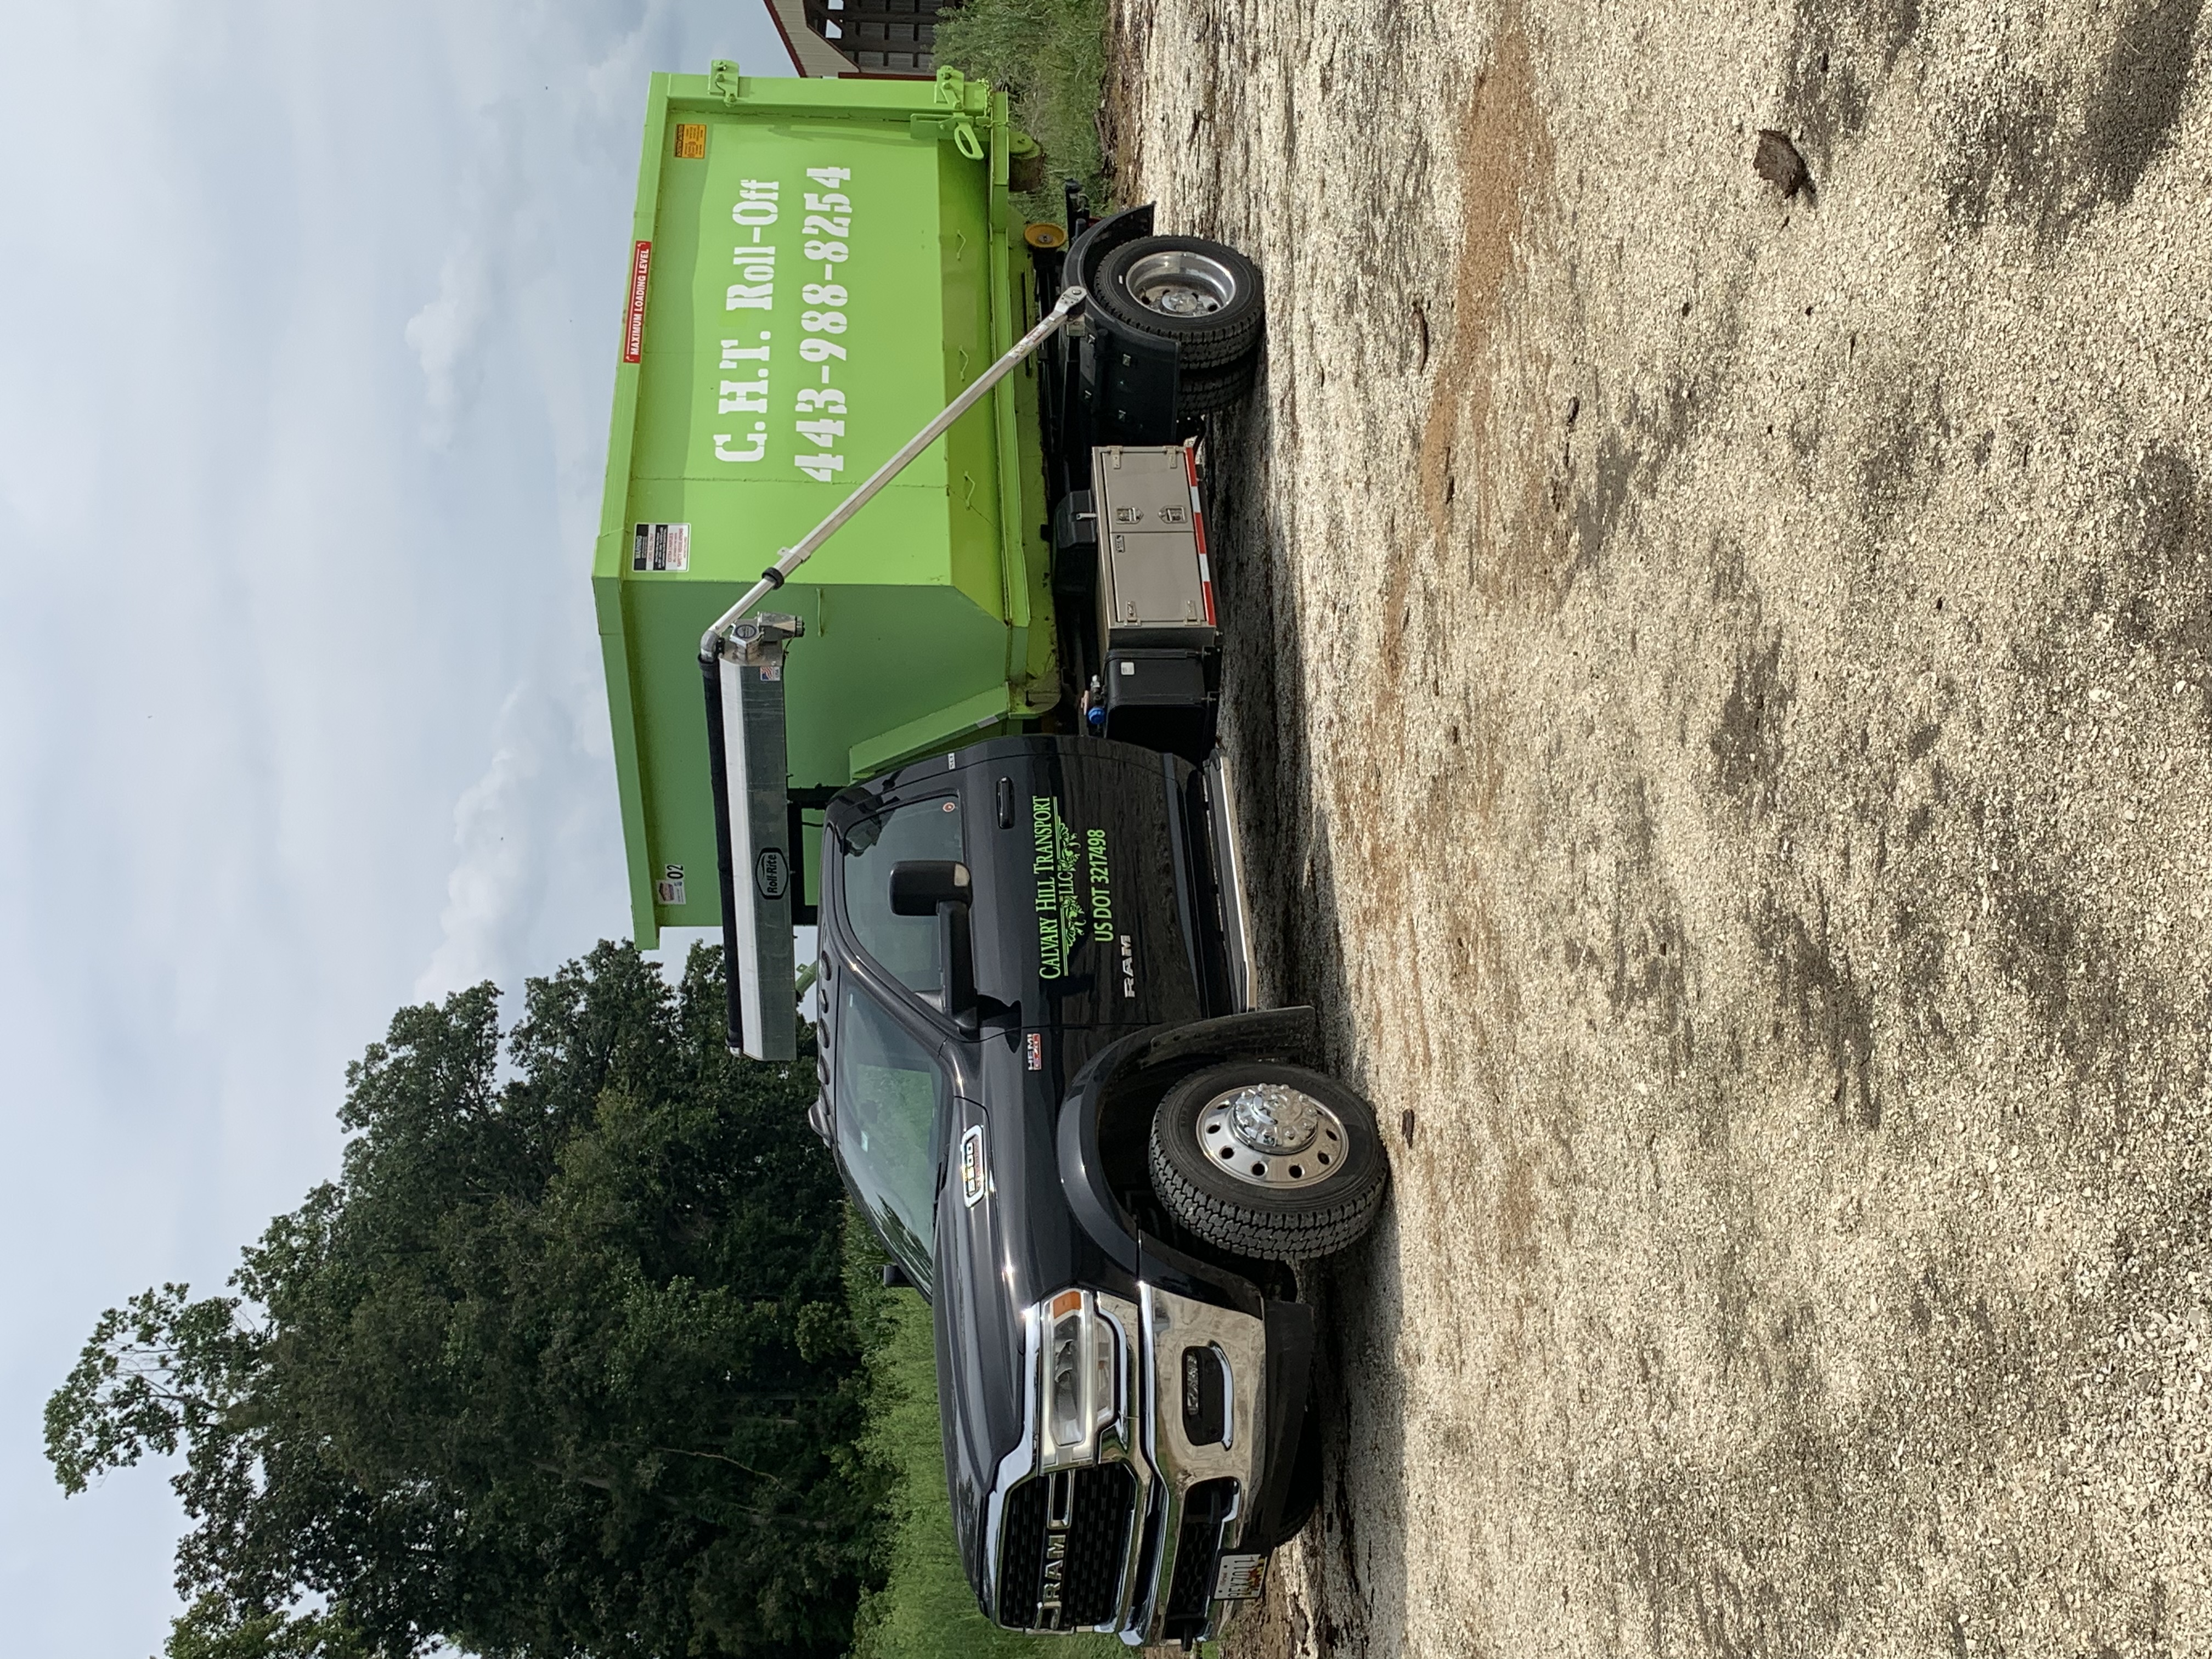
(817, 268)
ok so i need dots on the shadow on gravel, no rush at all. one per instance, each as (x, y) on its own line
(1294, 907)
(2042, 151)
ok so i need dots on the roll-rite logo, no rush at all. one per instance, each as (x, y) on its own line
(771, 873)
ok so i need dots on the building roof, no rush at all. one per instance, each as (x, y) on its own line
(811, 55)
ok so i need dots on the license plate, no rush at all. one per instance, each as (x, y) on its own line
(1241, 1578)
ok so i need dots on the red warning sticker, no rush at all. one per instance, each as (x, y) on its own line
(641, 267)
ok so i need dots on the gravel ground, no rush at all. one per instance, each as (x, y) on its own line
(1726, 684)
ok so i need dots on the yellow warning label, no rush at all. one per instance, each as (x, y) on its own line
(690, 141)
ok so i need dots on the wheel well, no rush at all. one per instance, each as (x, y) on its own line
(1125, 1126)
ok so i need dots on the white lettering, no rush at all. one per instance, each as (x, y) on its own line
(744, 396)
(755, 202)
(759, 449)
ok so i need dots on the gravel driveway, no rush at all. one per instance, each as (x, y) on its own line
(1725, 682)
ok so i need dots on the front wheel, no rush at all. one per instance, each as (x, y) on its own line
(1270, 1161)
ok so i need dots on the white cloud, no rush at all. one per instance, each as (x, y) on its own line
(441, 335)
(495, 825)
(525, 832)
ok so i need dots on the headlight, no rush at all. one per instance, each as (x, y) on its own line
(1067, 1371)
(1077, 1389)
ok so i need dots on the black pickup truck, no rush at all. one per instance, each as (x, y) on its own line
(1048, 1088)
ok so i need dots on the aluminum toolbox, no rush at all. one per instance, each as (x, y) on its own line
(1153, 580)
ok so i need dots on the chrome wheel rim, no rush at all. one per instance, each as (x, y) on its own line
(1179, 284)
(1269, 1134)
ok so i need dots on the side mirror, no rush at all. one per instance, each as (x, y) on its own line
(894, 1277)
(919, 886)
(942, 888)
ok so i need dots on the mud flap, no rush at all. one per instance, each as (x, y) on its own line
(744, 684)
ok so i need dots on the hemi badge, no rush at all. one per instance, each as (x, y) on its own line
(972, 1177)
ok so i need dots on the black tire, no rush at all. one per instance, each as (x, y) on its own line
(1276, 1223)
(1216, 389)
(1209, 338)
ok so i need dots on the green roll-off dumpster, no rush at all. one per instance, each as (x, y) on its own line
(817, 267)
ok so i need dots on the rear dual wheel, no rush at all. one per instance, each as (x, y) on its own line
(1270, 1161)
(1216, 389)
(1204, 296)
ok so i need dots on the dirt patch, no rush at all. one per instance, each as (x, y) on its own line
(1504, 157)
(1725, 683)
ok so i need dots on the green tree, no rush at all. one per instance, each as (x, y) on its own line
(1051, 55)
(562, 1365)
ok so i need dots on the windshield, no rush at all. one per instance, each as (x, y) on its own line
(889, 1090)
(907, 946)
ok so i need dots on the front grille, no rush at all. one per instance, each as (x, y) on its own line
(1021, 1553)
(1064, 1538)
(1198, 1545)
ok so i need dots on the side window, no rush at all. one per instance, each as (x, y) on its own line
(889, 1091)
(907, 946)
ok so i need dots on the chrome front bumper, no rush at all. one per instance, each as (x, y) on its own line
(1172, 1323)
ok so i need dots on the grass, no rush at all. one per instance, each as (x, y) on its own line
(925, 1609)
(1050, 55)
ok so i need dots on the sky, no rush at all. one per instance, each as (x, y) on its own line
(303, 409)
